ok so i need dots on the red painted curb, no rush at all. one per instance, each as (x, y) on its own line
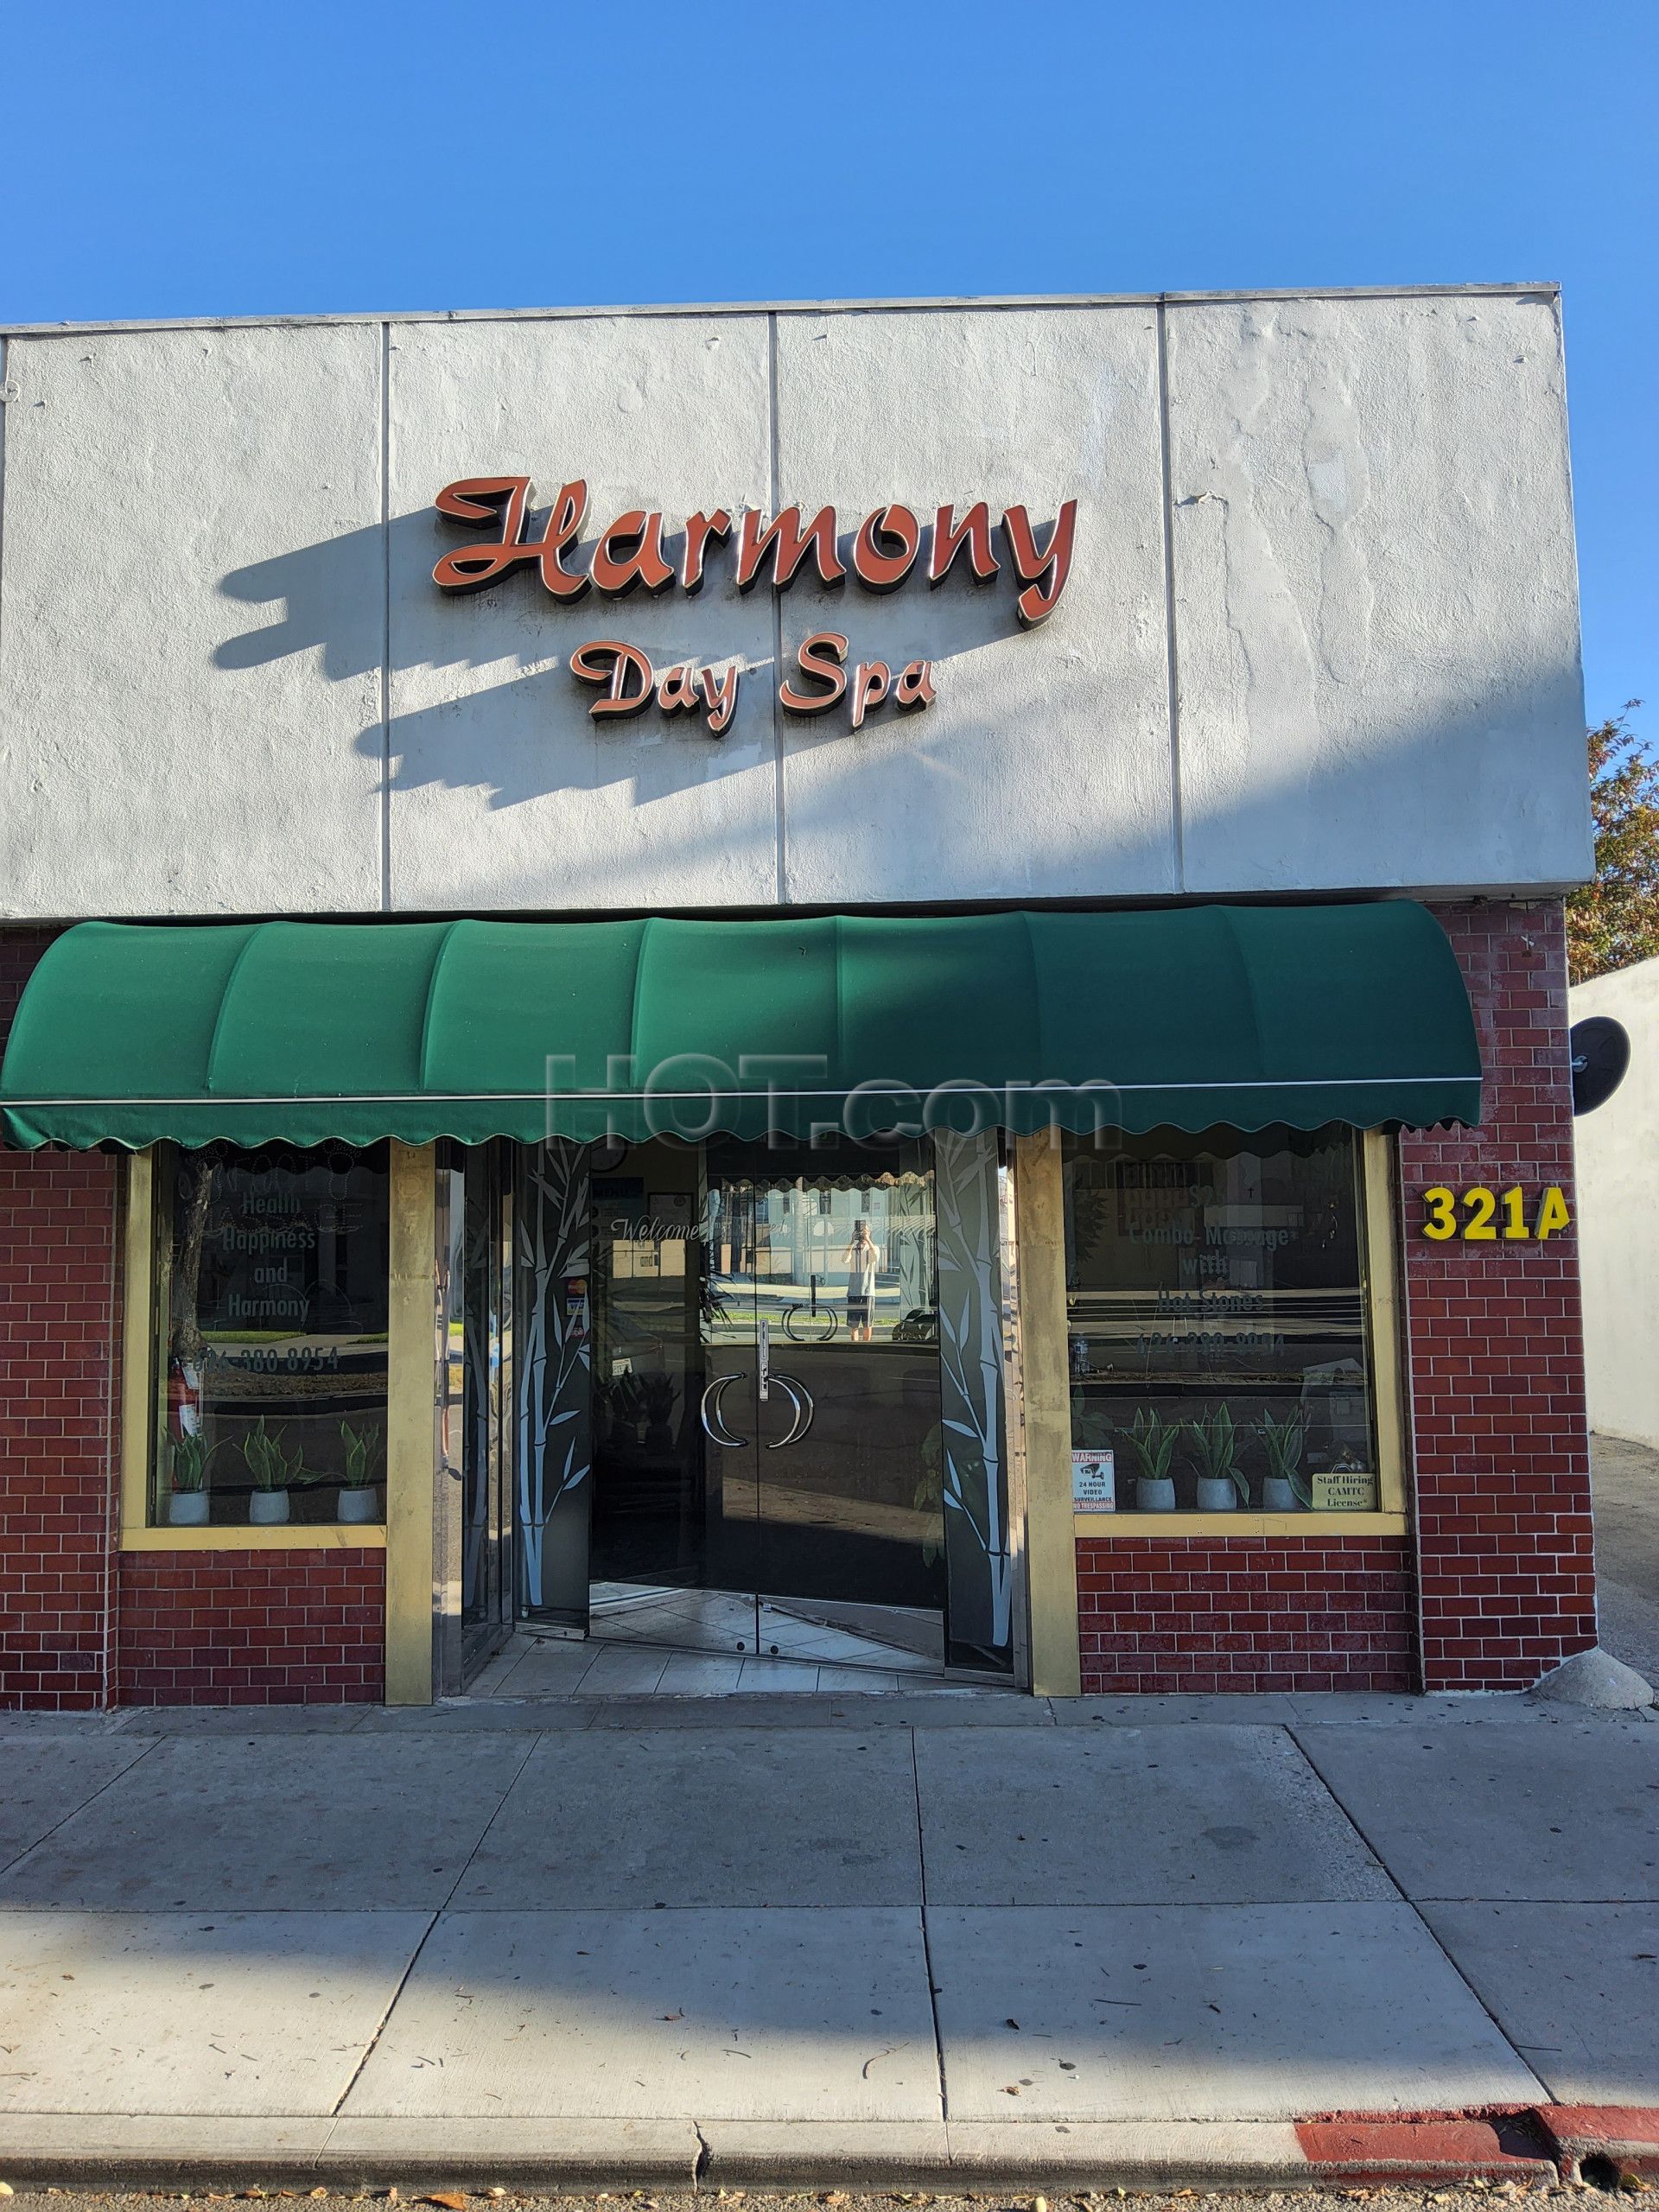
(1627, 2135)
(1446, 2147)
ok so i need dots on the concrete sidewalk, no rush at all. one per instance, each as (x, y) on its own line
(1627, 1550)
(804, 1939)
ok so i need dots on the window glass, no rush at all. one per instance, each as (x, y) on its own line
(1217, 1331)
(272, 1286)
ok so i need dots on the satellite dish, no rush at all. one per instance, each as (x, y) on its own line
(1601, 1052)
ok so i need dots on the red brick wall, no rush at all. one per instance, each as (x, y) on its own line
(1244, 1613)
(58, 1292)
(1496, 1345)
(251, 1628)
(57, 1311)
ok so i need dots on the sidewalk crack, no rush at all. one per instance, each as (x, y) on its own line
(380, 2024)
(372, 2045)
(927, 1944)
(91, 1798)
(1545, 2095)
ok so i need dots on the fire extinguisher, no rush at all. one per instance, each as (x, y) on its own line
(184, 1396)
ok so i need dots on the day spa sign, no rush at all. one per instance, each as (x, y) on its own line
(628, 555)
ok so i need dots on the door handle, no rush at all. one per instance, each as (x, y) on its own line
(709, 1414)
(801, 1398)
(764, 1342)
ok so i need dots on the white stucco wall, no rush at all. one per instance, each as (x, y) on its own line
(1320, 629)
(1617, 1155)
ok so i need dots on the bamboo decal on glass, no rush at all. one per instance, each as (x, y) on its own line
(554, 1450)
(978, 1558)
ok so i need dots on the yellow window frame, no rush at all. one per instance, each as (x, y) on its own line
(141, 1368)
(1052, 1527)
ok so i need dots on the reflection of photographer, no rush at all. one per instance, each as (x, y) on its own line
(861, 1259)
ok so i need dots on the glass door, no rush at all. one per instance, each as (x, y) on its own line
(771, 1454)
(671, 1558)
(848, 1472)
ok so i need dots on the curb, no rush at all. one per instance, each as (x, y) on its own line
(1599, 2144)
(1388, 2147)
(1603, 2143)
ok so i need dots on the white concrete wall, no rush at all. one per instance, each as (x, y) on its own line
(1618, 1154)
(1320, 631)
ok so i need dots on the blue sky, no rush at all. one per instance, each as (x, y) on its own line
(199, 156)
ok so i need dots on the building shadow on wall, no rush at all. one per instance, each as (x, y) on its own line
(365, 601)
(479, 698)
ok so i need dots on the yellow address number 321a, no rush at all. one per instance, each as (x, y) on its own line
(1481, 1208)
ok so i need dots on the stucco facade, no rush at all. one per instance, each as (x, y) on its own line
(1320, 632)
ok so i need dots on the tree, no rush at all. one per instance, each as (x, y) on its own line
(1615, 920)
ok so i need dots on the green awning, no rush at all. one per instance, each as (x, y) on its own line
(306, 1033)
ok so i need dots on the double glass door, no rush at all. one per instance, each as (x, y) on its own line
(768, 1450)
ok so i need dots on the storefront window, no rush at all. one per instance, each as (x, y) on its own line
(273, 1296)
(1219, 1358)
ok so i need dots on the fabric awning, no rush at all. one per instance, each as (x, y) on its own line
(306, 1033)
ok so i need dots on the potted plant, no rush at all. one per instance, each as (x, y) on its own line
(358, 1499)
(1284, 1441)
(1215, 1444)
(187, 1461)
(1150, 1447)
(275, 1471)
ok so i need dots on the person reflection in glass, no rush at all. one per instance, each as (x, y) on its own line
(861, 1259)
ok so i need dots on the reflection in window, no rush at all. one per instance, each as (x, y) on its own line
(272, 1289)
(1217, 1327)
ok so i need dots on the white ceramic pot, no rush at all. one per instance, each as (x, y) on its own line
(1216, 1494)
(267, 1506)
(358, 1504)
(1154, 1495)
(188, 1508)
(1277, 1496)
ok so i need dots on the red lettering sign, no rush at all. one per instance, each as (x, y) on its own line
(972, 535)
(607, 661)
(629, 552)
(1039, 601)
(886, 548)
(504, 500)
(819, 657)
(628, 555)
(788, 545)
(699, 532)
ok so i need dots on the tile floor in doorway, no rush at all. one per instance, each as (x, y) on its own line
(647, 1641)
(824, 1633)
(531, 1665)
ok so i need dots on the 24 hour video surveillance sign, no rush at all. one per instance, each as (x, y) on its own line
(630, 554)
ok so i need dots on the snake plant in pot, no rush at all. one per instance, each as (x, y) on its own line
(1216, 1445)
(273, 1469)
(188, 1462)
(1283, 1489)
(358, 1498)
(1150, 1447)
